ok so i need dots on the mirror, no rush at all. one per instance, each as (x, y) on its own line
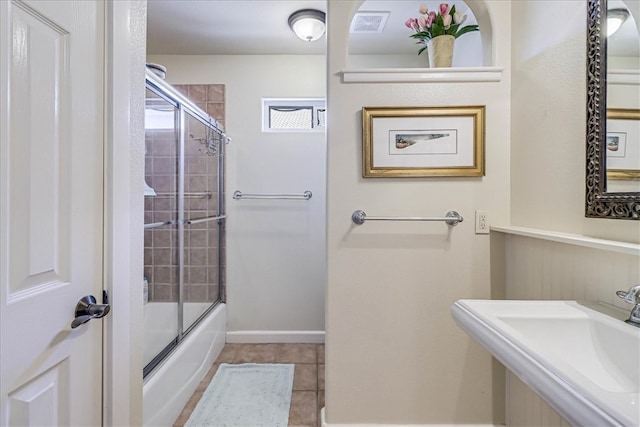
(604, 200)
(623, 97)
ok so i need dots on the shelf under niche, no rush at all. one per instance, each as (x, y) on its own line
(426, 75)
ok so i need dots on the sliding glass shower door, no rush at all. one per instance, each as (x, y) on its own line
(203, 219)
(184, 219)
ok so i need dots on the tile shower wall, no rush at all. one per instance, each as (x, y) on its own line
(161, 244)
(201, 241)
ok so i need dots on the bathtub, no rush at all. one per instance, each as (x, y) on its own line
(168, 388)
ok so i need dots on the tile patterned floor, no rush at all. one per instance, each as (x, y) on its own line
(307, 397)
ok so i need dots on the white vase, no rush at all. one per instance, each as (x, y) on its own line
(440, 51)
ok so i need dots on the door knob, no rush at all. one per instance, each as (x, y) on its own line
(87, 309)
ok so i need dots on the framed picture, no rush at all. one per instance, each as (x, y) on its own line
(623, 144)
(422, 141)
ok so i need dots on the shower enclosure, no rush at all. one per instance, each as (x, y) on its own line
(184, 219)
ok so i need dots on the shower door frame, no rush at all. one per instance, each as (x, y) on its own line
(185, 107)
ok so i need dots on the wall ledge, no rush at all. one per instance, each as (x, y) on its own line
(572, 239)
(624, 77)
(423, 75)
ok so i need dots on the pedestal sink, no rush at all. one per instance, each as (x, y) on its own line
(583, 363)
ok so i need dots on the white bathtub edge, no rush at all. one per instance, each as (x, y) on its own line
(275, 337)
(169, 387)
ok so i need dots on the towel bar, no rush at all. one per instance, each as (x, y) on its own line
(451, 218)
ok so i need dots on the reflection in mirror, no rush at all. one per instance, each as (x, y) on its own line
(623, 96)
(601, 203)
(623, 150)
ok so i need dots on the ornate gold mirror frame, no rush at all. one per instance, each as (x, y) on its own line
(600, 203)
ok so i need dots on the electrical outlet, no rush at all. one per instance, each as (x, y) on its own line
(482, 222)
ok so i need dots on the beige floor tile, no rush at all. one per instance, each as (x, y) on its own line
(207, 379)
(256, 353)
(296, 353)
(305, 377)
(228, 353)
(303, 410)
(320, 377)
(320, 348)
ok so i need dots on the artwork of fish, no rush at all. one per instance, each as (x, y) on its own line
(407, 140)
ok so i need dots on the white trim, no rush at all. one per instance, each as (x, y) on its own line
(424, 75)
(623, 77)
(125, 40)
(323, 423)
(268, 337)
(572, 239)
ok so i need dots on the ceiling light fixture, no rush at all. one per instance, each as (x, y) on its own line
(615, 19)
(308, 24)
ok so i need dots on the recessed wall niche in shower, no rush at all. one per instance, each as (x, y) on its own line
(184, 220)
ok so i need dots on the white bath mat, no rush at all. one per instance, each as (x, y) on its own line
(246, 395)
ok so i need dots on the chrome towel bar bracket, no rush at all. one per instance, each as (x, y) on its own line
(451, 218)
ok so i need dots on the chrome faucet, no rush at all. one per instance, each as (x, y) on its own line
(632, 297)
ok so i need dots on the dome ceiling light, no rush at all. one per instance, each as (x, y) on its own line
(308, 24)
(615, 19)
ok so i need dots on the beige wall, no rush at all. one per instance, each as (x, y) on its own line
(275, 249)
(393, 353)
(548, 98)
(548, 127)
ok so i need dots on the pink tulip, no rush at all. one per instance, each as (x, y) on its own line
(444, 8)
(446, 21)
(423, 22)
(431, 18)
(408, 23)
(423, 9)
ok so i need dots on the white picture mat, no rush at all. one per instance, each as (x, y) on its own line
(384, 129)
(631, 158)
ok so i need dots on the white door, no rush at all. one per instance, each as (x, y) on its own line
(51, 200)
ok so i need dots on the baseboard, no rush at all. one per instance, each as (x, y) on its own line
(268, 337)
(325, 424)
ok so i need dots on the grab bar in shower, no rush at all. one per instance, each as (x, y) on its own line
(184, 222)
(200, 195)
(451, 218)
(304, 196)
(206, 219)
(158, 224)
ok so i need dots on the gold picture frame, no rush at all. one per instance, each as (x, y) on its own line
(622, 144)
(403, 142)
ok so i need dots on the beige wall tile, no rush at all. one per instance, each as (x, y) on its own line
(197, 93)
(216, 110)
(215, 93)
